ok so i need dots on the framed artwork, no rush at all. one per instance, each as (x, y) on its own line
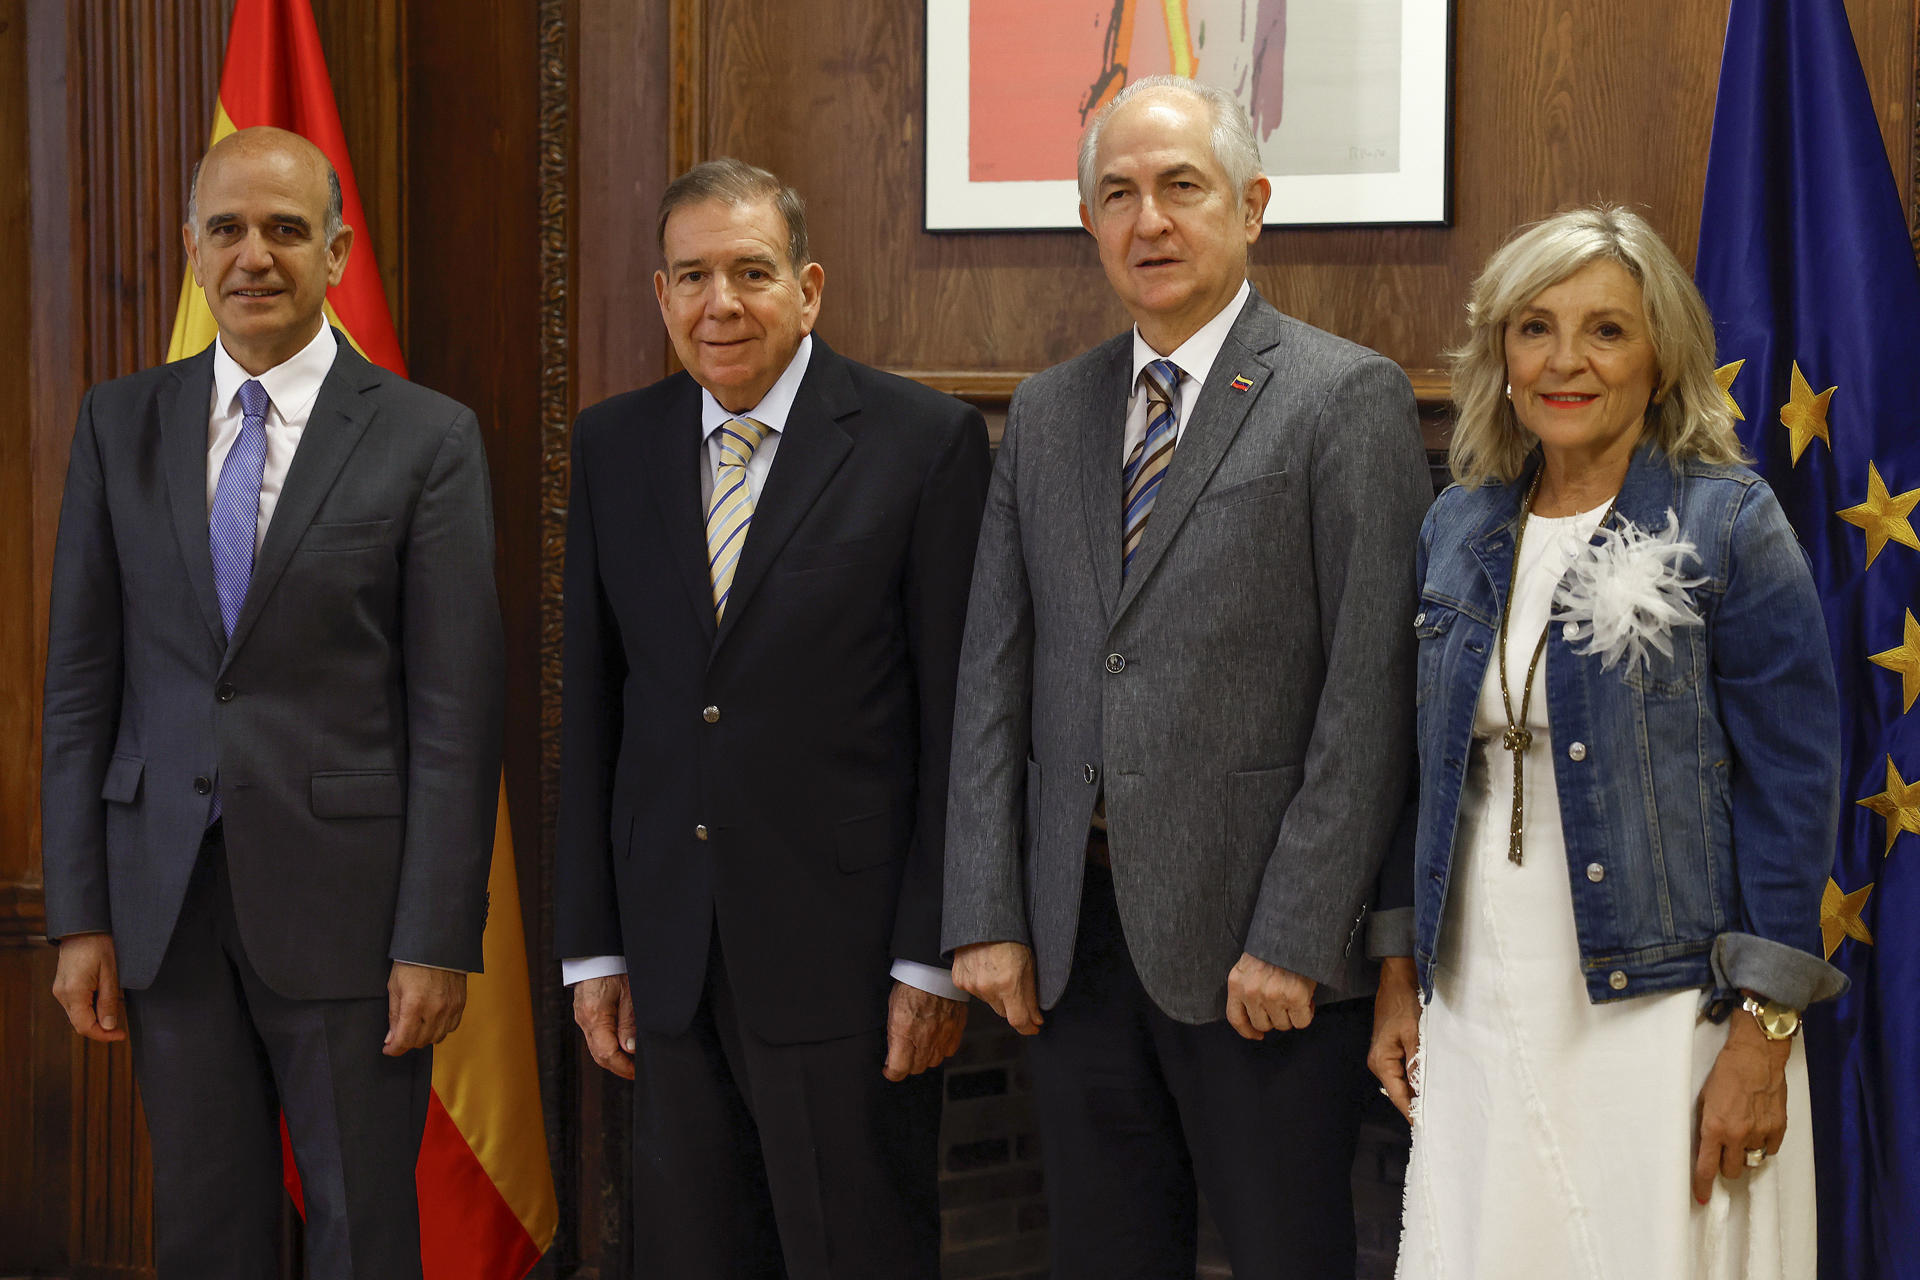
(1350, 101)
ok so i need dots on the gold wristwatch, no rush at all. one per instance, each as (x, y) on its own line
(1777, 1021)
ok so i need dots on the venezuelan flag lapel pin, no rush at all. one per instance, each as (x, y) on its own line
(1241, 382)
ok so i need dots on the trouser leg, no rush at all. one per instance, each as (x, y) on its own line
(1273, 1125)
(1120, 1187)
(851, 1159)
(211, 1107)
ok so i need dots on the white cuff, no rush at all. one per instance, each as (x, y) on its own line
(580, 968)
(928, 978)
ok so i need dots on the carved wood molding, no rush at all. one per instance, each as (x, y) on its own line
(993, 389)
(556, 384)
(687, 49)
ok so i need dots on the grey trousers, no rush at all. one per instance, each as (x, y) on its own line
(219, 1056)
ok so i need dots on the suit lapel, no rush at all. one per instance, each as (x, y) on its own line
(1216, 419)
(340, 416)
(1102, 460)
(672, 458)
(183, 440)
(812, 447)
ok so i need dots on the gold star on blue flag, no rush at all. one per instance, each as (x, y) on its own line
(1807, 266)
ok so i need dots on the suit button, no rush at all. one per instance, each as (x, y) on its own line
(700, 832)
(1596, 872)
(711, 715)
(1116, 663)
(224, 692)
(1577, 752)
(1617, 980)
(203, 785)
(1088, 772)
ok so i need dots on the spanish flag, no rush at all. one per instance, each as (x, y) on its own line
(487, 1208)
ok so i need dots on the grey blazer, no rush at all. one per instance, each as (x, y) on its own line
(1244, 697)
(352, 725)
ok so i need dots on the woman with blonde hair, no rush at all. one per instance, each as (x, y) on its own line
(1629, 790)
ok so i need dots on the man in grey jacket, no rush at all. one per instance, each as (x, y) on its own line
(1184, 715)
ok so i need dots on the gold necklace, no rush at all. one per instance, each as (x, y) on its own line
(1518, 737)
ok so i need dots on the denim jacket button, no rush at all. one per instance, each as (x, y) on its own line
(1570, 632)
(1617, 980)
(1596, 872)
(1419, 619)
(1577, 752)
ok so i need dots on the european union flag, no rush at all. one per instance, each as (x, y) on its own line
(1806, 262)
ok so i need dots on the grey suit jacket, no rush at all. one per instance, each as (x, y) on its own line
(1244, 697)
(352, 725)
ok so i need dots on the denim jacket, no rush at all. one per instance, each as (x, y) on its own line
(1699, 794)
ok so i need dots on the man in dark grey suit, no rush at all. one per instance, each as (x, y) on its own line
(1181, 743)
(272, 740)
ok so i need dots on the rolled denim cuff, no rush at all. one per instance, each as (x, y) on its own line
(1773, 969)
(1390, 933)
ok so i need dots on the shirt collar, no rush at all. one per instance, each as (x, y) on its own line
(292, 385)
(1196, 355)
(773, 408)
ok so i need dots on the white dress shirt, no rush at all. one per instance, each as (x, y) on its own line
(771, 413)
(292, 386)
(1195, 359)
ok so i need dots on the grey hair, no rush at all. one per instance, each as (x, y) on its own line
(1234, 146)
(735, 182)
(333, 223)
(1688, 416)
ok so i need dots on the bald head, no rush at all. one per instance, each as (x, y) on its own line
(298, 159)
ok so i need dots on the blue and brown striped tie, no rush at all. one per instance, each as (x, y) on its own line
(1148, 464)
(731, 509)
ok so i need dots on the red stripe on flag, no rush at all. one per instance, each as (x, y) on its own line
(276, 74)
(467, 1232)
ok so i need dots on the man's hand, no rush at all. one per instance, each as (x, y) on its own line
(86, 982)
(1743, 1105)
(1001, 973)
(423, 1006)
(603, 1010)
(1263, 997)
(923, 1030)
(1396, 1031)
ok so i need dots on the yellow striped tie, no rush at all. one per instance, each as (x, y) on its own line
(731, 509)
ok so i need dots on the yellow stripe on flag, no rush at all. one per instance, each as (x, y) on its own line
(485, 1073)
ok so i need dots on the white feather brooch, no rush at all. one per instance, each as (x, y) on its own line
(1626, 594)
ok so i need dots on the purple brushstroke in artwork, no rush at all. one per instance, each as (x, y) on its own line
(1269, 66)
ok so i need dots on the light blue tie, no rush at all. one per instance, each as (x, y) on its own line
(235, 517)
(234, 520)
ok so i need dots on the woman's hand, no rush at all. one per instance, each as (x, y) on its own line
(1396, 1030)
(1743, 1105)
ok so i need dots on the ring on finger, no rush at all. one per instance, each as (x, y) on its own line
(1754, 1156)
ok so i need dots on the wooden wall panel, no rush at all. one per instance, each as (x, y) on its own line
(1557, 102)
(364, 42)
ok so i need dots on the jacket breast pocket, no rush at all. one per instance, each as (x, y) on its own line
(1664, 676)
(345, 535)
(1233, 495)
(833, 555)
(358, 793)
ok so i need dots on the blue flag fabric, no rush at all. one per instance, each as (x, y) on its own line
(1806, 262)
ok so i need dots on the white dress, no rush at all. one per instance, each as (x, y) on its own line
(1553, 1137)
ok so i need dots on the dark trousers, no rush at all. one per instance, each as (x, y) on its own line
(1135, 1109)
(218, 1056)
(756, 1161)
